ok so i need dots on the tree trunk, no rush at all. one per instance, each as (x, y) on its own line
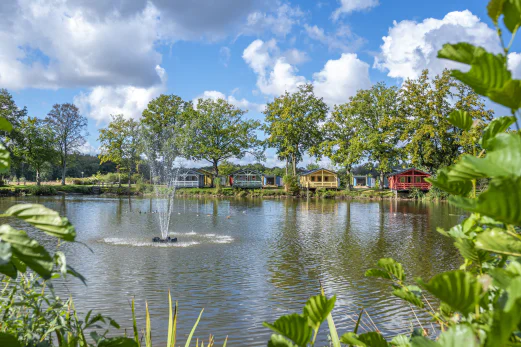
(64, 170)
(294, 160)
(381, 180)
(349, 186)
(119, 178)
(216, 167)
(287, 164)
(37, 177)
(129, 176)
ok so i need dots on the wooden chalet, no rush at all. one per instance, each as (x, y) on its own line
(407, 179)
(193, 178)
(246, 178)
(272, 181)
(319, 178)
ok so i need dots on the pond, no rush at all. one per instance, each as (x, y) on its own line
(246, 261)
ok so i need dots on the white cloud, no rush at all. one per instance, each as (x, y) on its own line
(240, 103)
(348, 6)
(411, 47)
(336, 82)
(295, 57)
(87, 148)
(514, 64)
(279, 23)
(341, 78)
(102, 101)
(342, 40)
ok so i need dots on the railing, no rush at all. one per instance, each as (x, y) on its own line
(407, 186)
(320, 184)
(186, 184)
(247, 184)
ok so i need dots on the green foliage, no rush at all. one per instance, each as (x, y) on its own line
(291, 184)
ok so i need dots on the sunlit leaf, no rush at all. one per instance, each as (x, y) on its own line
(509, 95)
(393, 267)
(494, 9)
(459, 289)
(294, 327)
(5, 253)
(409, 297)
(462, 52)
(498, 241)
(279, 341)
(461, 119)
(5, 159)
(28, 250)
(45, 219)
(495, 127)
(401, 341)
(317, 309)
(421, 341)
(371, 339)
(512, 14)
(5, 125)
(378, 273)
(457, 336)
(352, 340)
(460, 187)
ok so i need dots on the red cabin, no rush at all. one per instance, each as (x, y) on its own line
(408, 179)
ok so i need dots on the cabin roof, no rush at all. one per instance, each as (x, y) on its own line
(315, 170)
(408, 169)
(186, 171)
(247, 171)
(204, 172)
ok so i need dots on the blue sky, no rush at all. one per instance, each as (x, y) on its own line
(112, 59)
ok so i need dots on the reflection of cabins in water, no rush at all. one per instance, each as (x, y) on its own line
(193, 178)
(409, 178)
(319, 178)
(272, 181)
(246, 178)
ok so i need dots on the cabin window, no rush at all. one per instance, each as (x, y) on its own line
(319, 179)
(402, 179)
(326, 178)
(418, 179)
(312, 178)
(253, 178)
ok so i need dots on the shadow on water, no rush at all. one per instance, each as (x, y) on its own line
(249, 260)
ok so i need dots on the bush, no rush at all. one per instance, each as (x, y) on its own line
(416, 193)
(291, 184)
(41, 190)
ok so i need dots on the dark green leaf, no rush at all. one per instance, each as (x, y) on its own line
(294, 326)
(453, 187)
(461, 119)
(279, 341)
(457, 336)
(498, 241)
(458, 289)
(317, 309)
(378, 273)
(393, 267)
(512, 14)
(373, 339)
(421, 341)
(28, 250)
(497, 126)
(45, 219)
(5, 125)
(18, 264)
(9, 269)
(118, 342)
(8, 340)
(494, 9)
(409, 297)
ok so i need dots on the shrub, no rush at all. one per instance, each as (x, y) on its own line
(41, 190)
(291, 184)
(416, 193)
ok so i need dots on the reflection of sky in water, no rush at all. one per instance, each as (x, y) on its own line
(246, 261)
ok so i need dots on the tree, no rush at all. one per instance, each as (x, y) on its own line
(379, 126)
(341, 143)
(69, 131)
(226, 168)
(120, 144)
(14, 115)
(218, 132)
(292, 123)
(37, 147)
(431, 141)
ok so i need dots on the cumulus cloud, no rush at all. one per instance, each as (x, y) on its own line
(102, 101)
(341, 78)
(336, 82)
(279, 23)
(411, 47)
(348, 6)
(342, 40)
(87, 148)
(240, 103)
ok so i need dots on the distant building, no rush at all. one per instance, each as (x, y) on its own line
(409, 178)
(319, 178)
(193, 178)
(272, 181)
(246, 178)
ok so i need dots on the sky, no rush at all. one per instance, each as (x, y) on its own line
(113, 57)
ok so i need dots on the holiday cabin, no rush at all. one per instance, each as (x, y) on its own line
(272, 181)
(208, 177)
(246, 178)
(190, 178)
(408, 179)
(319, 178)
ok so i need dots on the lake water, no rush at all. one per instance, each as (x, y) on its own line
(246, 261)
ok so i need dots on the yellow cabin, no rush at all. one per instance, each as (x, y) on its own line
(319, 178)
(208, 177)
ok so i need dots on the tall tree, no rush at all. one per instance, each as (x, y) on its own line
(37, 147)
(431, 141)
(120, 144)
(218, 132)
(380, 126)
(292, 123)
(341, 143)
(69, 128)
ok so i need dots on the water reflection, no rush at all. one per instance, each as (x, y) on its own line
(249, 260)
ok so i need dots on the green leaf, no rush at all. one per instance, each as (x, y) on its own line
(352, 339)
(28, 250)
(393, 267)
(512, 14)
(317, 309)
(442, 181)
(457, 336)
(378, 273)
(191, 331)
(9, 270)
(279, 341)
(506, 319)
(118, 342)
(409, 297)
(44, 219)
(500, 201)
(421, 341)
(8, 340)
(459, 289)
(461, 119)
(461, 52)
(5, 159)
(495, 127)
(509, 95)
(5, 125)
(467, 249)
(5, 253)
(494, 9)
(401, 341)
(373, 339)
(498, 241)
(18, 264)
(294, 327)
